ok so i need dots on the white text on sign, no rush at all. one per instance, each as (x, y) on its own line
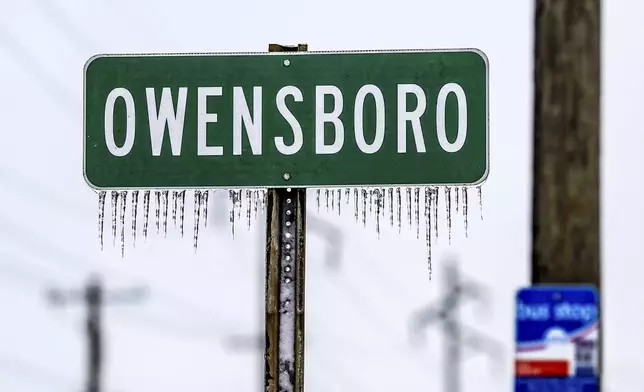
(170, 115)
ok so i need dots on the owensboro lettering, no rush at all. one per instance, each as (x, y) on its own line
(247, 116)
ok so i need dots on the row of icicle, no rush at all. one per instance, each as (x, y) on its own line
(163, 201)
(369, 204)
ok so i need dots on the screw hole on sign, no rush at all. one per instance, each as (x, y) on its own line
(288, 201)
(288, 258)
(288, 246)
(287, 63)
(288, 212)
(288, 235)
(288, 224)
(287, 280)
(287, 269)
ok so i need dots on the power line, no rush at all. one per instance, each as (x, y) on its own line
(39, 193)
(65, 25)
(21, 271)
(32, 278)
(32, 374)
(65, 258)
(60, 94)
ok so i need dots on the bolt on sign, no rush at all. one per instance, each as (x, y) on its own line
(286, 119)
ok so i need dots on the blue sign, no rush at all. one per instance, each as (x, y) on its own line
(557, 330)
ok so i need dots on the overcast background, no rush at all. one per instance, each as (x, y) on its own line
(357, 315)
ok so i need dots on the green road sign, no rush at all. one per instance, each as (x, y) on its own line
(289, 119)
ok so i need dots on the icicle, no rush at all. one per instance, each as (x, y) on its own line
(390, 200)
(164, 197)
(371, 191)
(409, 205)
(146, 213)
(123, 197)
(115, 199)
(326, 195)
(480, 192)
(399, 210)
(379, 200)
(255, 203)
(435, 193)
(456, 194)
(195, 225)
(347, 195)
(231, 197)
(428, 229)
(332, 192)
(464, 189)
(355, 203)
(417, 210)
(262, 200)
(182, 210)
(339, 201)
(135, 207)
(101, 215)
(174, 208)
(248, 208)
(364, 207)
(317, 198)
(238, 199)
(157, 206)
(448, 201)
(204, 198)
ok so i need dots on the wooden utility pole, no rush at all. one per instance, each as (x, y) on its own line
(94, 298)
(284, 308)
(565, 221)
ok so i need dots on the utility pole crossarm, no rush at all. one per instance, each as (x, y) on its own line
(426, 316)
(95, 298)
(59, 297)
(473, 291)
(126, 295)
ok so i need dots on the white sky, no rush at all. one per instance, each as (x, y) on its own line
(356, 318)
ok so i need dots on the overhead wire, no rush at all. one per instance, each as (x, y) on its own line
(35, 375)
(69, 260)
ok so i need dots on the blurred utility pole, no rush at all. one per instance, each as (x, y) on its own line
(455, 337)
(566, 173)
(94, 298)
(565, 221)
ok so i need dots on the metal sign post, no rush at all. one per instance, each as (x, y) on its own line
(285, 255)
